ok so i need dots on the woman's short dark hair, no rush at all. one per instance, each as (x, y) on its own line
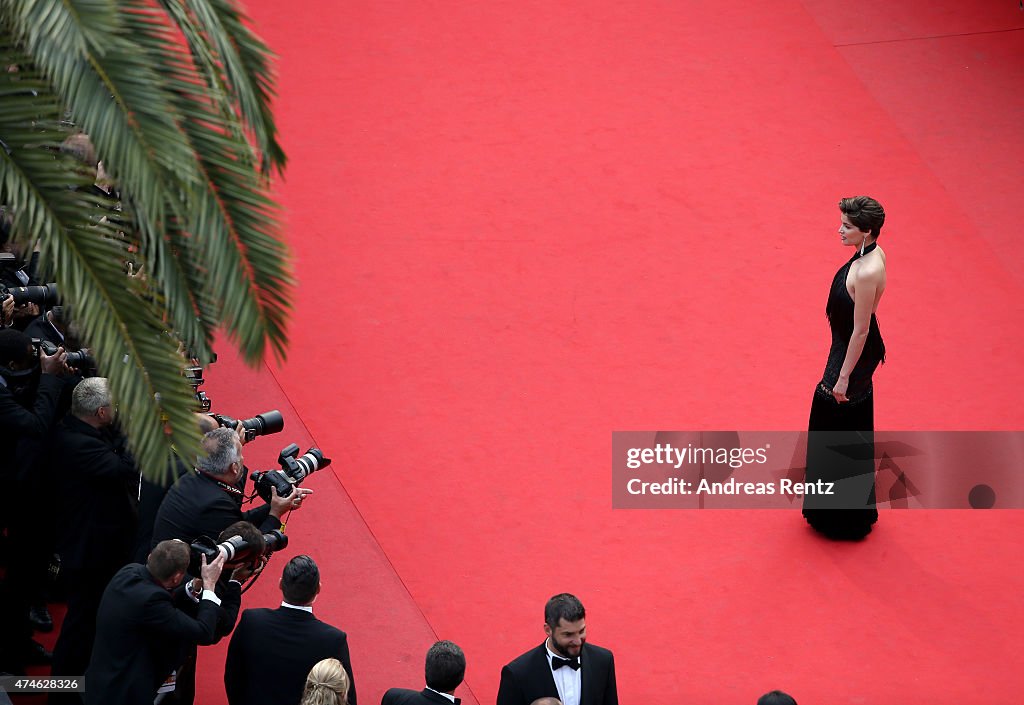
(445, 667)
(563, 606)
(864, 212)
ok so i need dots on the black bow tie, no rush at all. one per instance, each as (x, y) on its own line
(556, 663)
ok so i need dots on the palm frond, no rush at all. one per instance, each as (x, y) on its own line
(234, 60)
(120, 101)
(85, 252)
(246, 264)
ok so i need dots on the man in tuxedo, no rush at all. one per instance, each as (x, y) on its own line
(272, 650)
(141, 630)
(444, 670)
(565, 666)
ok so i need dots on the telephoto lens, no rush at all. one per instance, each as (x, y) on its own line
(45, 295)
(259, 425)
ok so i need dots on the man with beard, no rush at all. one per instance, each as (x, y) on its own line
(565, 666)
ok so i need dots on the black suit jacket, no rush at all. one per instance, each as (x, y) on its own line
(272, 651)
(196, 506)
(529, 677)
(140, 636)
(44, 330)
(20, 424)
(403, 696)
(97, 485)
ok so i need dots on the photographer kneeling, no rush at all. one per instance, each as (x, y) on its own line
(209, 500)
(142, 628)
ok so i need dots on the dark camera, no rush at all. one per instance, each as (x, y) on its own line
(260, 425)
(194, 375)
(45, 295)
(294, 469)
(80, 360)
(237, 551)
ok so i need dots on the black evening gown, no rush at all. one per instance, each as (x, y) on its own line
(840, 439)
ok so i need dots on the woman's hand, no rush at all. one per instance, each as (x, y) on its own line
(839, 391)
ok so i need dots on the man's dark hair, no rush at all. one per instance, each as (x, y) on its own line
(864, 212)
(563, 606)
(248, 531)
(776, 697)
(445, 667)
(14, 346)
(167, 558)
(206, 423)
(300, 580)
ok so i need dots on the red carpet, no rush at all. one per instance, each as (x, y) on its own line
(522, 226)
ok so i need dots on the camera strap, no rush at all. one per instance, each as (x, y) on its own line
(230, 489)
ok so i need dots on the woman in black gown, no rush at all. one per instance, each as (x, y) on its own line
(840, 444)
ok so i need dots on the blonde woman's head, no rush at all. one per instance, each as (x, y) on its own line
(326, 684)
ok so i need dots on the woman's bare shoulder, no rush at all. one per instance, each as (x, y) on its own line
(871, 268)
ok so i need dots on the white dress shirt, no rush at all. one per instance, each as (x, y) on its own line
(304, 608)
(567, 681)
(446, 695)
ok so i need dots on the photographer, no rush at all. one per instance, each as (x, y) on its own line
(153, 493)
(230, 591)
(30, 387)
(51, 326)
(206, 501)
(142, 628)
(97, 496)
(16, 271)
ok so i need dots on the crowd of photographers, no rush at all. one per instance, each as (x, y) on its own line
(149, 571)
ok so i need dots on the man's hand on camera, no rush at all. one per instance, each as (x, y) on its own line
(240, 432)
(54, 364)
(244, 572)
(279, 505)
(211, 571)
(8, 310)
(27, 310)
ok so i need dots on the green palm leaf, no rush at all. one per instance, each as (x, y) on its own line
(175, 96)
(85, 252)
(246, 265)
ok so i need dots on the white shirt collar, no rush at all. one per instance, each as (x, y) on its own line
(304, 608)
(447, 695)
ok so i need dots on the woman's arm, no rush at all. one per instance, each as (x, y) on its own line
(865, 285)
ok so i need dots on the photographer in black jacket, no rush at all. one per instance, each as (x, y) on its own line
(97, 490)
(142, 627)
(207, 501)
(30, 387)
